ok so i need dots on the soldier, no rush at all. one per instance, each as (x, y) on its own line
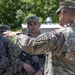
(61, 47)
(35, 62)
(9, 62)
(6, 48)
(4, 59)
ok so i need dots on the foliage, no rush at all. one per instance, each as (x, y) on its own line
(15, 12)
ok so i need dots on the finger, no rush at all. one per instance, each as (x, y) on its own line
(32, 71)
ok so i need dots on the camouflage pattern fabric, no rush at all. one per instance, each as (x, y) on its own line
(5, 47)
(8, 58)
(36, 61)
(43, 42)
(17, 63)
(62, 50)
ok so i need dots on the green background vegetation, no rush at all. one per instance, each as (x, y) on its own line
(15, 12)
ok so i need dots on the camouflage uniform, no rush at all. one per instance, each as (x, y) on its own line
(8, 57)
(61, 54)
(60, 45)
(5, 49)
(36, 61)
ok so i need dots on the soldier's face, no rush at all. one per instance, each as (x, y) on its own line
(33, 27)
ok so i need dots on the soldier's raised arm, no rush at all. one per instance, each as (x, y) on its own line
(40, 45)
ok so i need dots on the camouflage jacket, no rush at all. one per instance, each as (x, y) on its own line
(8, 58)
(60, 48)
(36, 61)
(5, 55)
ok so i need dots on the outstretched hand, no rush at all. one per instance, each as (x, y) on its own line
(10, 33)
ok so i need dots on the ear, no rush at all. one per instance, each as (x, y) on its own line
(62, 14)
(39, 25)
(27, 26)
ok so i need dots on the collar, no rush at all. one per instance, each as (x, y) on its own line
(31, 35)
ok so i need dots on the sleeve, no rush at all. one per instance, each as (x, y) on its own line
(13, 55)
(40, 45)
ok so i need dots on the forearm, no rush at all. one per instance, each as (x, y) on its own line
(39, 45)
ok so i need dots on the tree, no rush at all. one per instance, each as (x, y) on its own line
(15, 12)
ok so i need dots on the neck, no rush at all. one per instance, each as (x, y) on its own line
(34, 34)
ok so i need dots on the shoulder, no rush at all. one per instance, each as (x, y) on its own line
(5, 39)
(65, 29)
